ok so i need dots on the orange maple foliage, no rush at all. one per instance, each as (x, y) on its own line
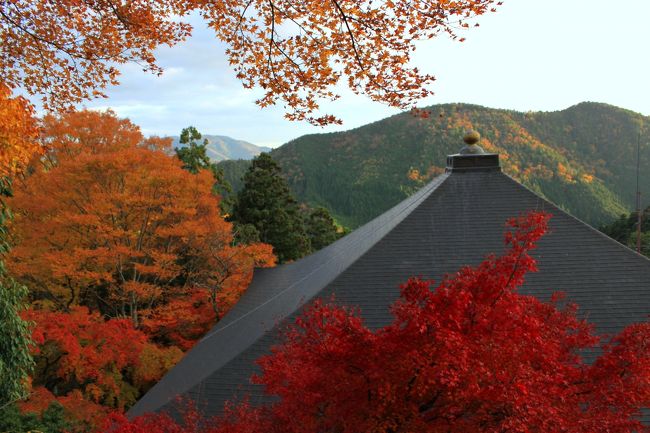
(154, 362)
(122, 228)
(18, 133)
(184, 319)
(181, 321)
(94, 132)
(69, 50)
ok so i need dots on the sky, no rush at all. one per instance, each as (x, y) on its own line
(530, 55)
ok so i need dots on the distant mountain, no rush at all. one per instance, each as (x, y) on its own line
(582, 158)
(222, 148)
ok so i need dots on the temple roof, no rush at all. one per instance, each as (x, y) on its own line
(455, 220)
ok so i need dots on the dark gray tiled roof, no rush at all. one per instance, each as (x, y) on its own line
(455, 220)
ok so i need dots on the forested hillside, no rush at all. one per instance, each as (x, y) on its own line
(582, 158)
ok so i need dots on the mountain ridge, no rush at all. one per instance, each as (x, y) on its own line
(582, 158)
(222, 147)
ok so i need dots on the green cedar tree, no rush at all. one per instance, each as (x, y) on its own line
(321, 228)
(267, 203)
(624, 230)
(195, 158)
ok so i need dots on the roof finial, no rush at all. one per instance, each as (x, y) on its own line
(471, 138)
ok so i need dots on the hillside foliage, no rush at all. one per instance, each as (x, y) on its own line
(582, 158)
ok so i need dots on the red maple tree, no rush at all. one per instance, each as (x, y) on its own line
(470, 354)
(84, 362)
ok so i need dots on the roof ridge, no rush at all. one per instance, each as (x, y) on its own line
(423, 194)
(578, 220)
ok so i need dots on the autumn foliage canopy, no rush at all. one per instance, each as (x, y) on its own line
(18, 133)
(122, 228)
(470, 354)
(127, 258)
(68, 51)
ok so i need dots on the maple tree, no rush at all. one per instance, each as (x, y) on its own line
(79, 351)
(68, 51)
(86, 367)
(121, 228)
(93, 132)
(128, 260)
(18, 133)
(468, 354)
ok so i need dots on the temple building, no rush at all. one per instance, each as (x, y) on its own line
(455, 220)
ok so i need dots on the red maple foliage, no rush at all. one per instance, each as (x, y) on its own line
(191, 422)
(468, 355)
(79, 350)
(87, 364)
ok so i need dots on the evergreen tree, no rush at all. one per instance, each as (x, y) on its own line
(195, 158)
(321, 228)
(51, 420)
(193, 154)
(245, 234)
(624, 230)
(15, 359)
(266, 203)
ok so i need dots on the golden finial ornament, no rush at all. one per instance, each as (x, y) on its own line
(471, 137)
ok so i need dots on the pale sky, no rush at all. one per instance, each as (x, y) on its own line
(530, 55)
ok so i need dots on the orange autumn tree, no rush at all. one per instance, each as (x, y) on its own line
(122, 229)
(295, 51)
(72, 134)
(18, 133)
